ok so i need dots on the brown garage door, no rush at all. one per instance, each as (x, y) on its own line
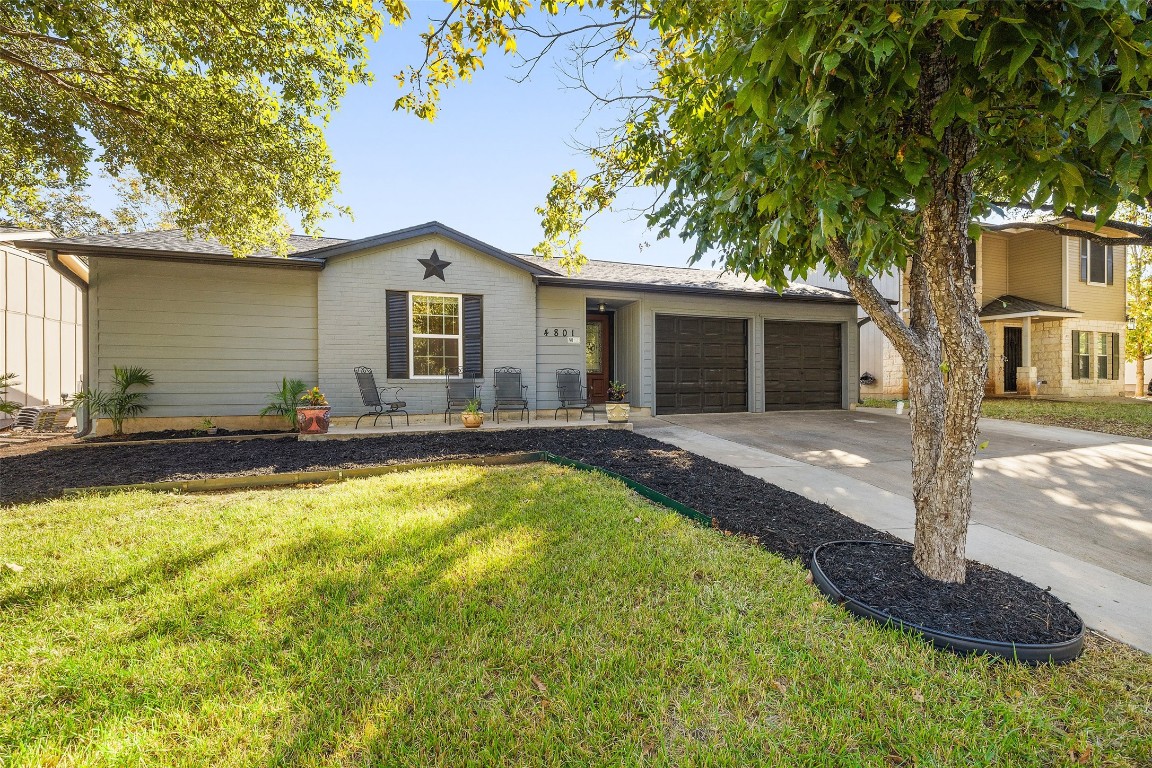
(701, 364)
(801, 366)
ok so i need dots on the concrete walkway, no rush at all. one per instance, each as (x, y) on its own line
(824, 467)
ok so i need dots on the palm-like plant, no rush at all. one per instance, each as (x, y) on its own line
(285, 401)
(119, 404)
(7, 406)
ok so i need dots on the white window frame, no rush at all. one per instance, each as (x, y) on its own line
(412, 335)
(1104, 256)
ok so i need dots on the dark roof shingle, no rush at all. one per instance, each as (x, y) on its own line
(1014, 305)
(174, 241)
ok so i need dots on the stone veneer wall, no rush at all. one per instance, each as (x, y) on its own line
(1051, 355)
(1061, 382)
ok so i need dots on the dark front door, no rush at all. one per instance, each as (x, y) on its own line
(1013, 356)
(598, 355)
(802, 367)
(701, 364)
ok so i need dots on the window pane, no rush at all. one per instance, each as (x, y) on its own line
(434, 357)
(1084, 363)
(1097, 267)
(436, 314)
(593, 350)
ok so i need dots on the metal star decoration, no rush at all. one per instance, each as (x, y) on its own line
(434, 266)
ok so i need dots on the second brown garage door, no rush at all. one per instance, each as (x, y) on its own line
(701, 364)
(801, 366)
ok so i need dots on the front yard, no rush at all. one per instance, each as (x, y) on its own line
(1132, 419)
(529, 615)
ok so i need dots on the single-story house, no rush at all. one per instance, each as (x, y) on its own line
(218, 333)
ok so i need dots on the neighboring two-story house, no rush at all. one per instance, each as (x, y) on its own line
(1053, 307)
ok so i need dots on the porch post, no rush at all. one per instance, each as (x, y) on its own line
(1026, 374)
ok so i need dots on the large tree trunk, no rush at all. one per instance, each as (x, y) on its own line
(945, 350)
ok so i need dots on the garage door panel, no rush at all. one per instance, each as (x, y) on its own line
(701, 364)
(802, 365)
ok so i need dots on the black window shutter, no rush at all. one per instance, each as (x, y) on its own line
(474, 334)
(1083, 260)
(1108, 257)
(1117, 361)
(1076, 354)
(396, 326)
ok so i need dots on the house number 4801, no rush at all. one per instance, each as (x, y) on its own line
(561, 332)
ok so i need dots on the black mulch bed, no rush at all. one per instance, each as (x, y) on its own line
(782, 521)
(180, 434)
(990, 604)
(786, 523)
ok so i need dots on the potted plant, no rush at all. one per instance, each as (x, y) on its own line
(208, 427)
(313, 412)
(617, 406)
(472, 416)
(285, 401)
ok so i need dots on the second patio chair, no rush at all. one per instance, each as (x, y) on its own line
(511, 393)
(462, 388)
(571, 393)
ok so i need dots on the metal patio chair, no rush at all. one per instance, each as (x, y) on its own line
(511, 392)
(376, 398)
(462, 388)
(571, 393)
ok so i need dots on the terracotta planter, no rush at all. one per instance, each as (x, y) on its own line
(472, 420)
(617, 412)
(313, 420)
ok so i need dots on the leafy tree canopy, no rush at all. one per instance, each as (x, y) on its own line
(222, 104)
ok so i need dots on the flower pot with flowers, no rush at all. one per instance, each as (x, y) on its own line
(472, 416)
(617, 406)
(313, 412)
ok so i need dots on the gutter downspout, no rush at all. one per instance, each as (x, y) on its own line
(83, 427)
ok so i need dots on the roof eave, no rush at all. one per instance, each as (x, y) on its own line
(685, 289)
(187, 257)
(1072, 313)
(428, 229)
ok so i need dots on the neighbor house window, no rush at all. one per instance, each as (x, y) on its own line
(1107, 346)
(1095, 263)
(436, 337)
(1081, 355)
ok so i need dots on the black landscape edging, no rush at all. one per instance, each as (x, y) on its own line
(640, 488)
(1031, 653)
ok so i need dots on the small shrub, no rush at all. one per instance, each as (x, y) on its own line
(8, 406)
(119, 404)
(284, 402)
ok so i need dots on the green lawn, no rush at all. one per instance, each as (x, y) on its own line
(1133, 419)
(471, 616)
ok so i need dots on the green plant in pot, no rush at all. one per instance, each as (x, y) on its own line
(119, 403)
(472, 416)
(286, 400)
(617, 406)
(8, 407)
(313, 412)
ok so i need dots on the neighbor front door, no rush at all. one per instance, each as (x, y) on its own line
(1013, 356)
(598, 355)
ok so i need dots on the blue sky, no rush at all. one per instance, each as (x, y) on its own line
(482, 167)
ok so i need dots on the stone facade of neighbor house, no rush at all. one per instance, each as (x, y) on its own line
(1040, 294)
(428, 302)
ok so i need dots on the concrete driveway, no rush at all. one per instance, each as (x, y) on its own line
(1084, 494)
(1061, 508)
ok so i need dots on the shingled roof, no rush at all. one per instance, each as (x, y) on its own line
(615, 274)
(170, 241)
(1014, 306)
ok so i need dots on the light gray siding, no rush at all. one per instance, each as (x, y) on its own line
(635, 339)
(352, 325)
(41, 329)
(558, 309)
(217, 338)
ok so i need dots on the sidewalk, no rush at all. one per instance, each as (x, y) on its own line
(1108, 602)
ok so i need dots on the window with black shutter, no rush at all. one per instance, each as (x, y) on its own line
(396, 328)
(1081, 355)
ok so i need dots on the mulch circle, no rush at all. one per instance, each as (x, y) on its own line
(783, 522)
(991, 612)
